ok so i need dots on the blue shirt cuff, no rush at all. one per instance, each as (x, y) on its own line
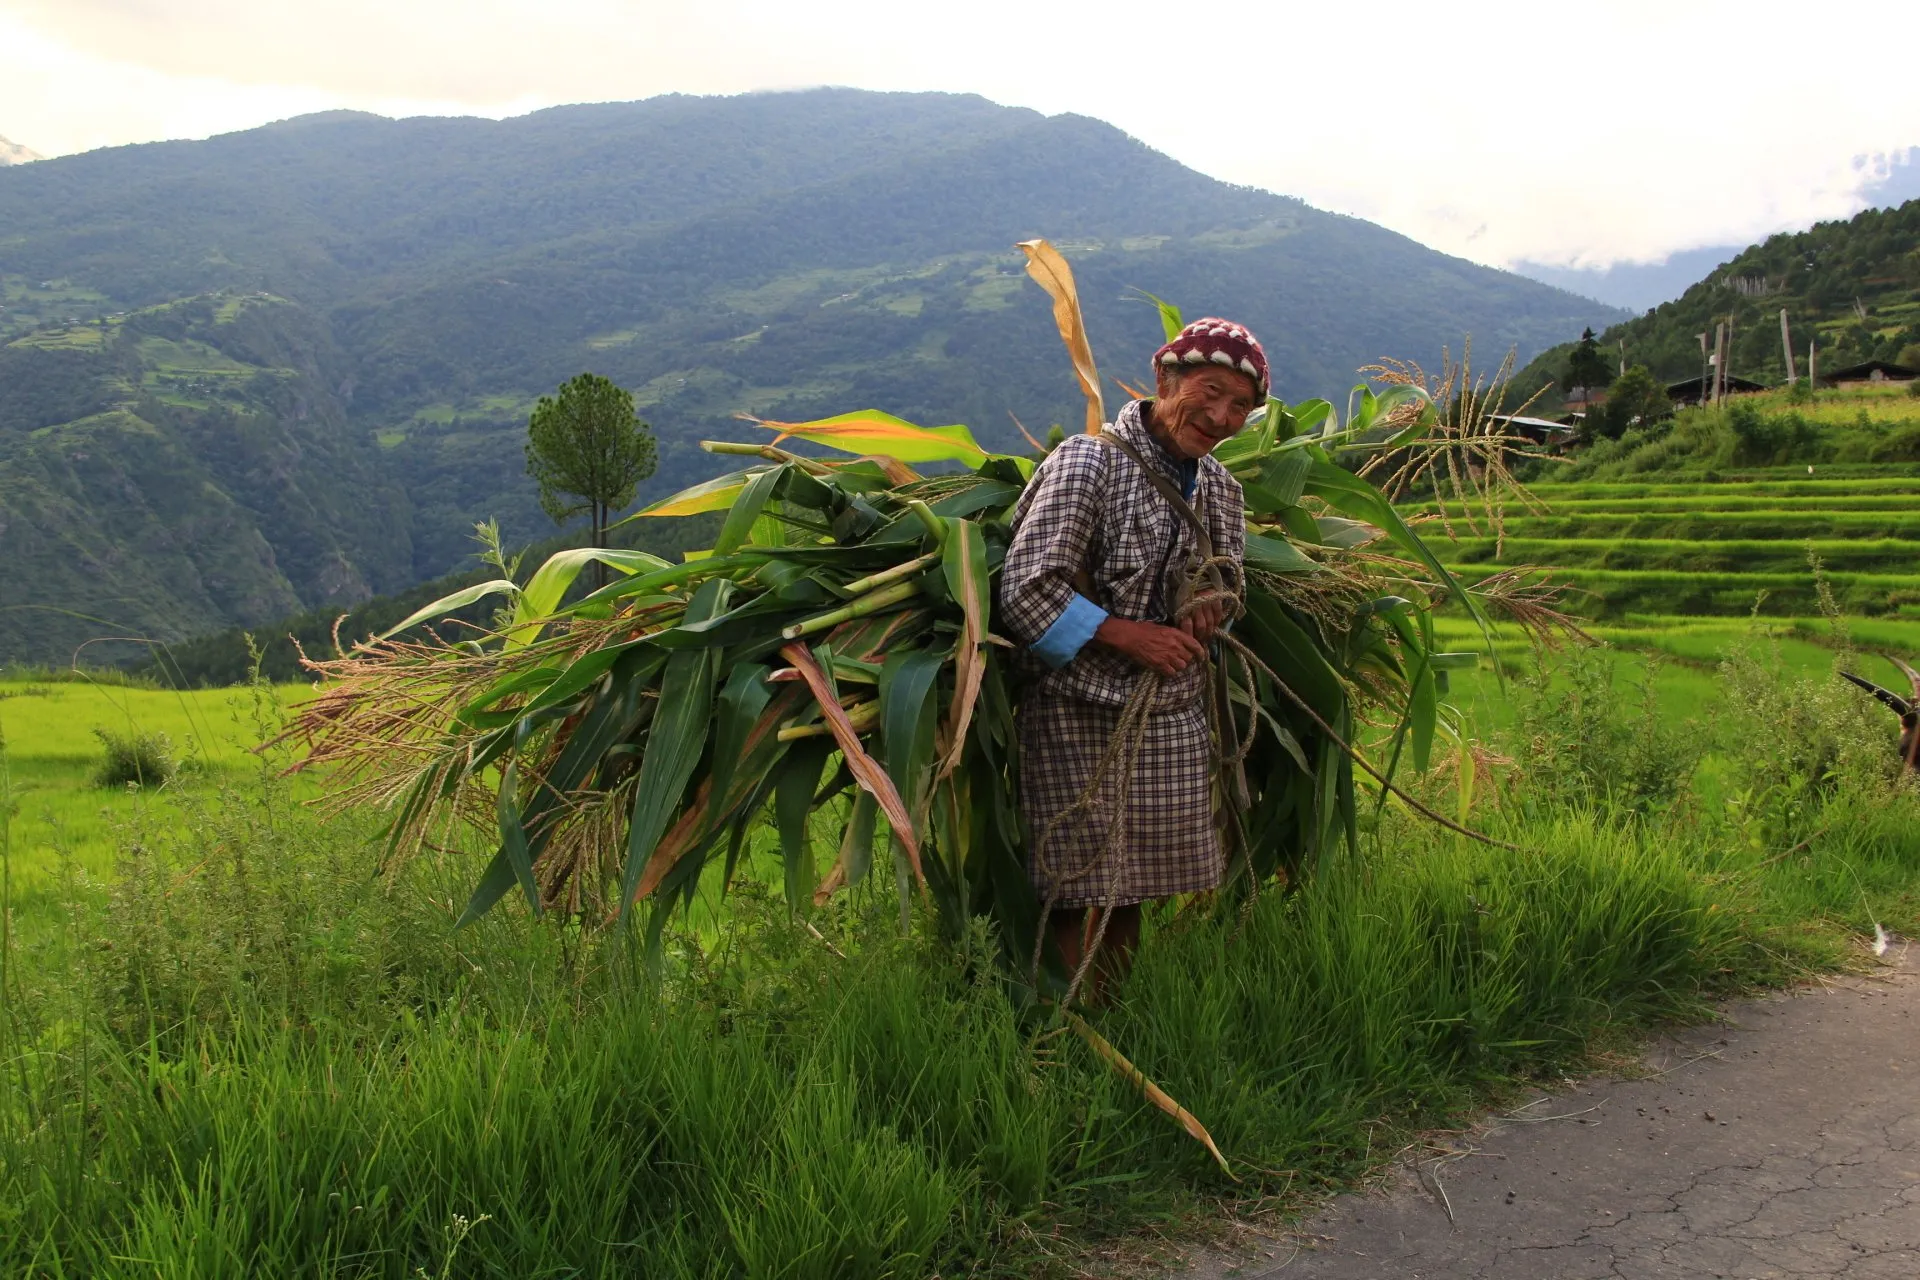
(1070, 631)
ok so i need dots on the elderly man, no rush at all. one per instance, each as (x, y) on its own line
(1098, 587)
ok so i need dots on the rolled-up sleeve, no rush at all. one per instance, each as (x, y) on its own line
(1055, 530)
(1069, 634)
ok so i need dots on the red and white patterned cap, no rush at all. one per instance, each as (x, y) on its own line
(1221, 342)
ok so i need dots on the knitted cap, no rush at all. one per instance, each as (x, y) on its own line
(1221, 342)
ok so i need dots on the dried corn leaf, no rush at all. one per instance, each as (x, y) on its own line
(1052, 273)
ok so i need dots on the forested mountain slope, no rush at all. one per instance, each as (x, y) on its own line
(1853, 287)
(286, 368)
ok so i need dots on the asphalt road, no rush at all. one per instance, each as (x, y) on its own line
(1781, 1142)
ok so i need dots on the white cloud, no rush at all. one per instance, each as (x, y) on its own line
(1500, 131)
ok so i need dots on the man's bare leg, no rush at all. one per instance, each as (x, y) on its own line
(1073, 932)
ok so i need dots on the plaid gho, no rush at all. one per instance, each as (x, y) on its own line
(1091, 523)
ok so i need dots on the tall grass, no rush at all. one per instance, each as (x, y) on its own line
(257, 1057)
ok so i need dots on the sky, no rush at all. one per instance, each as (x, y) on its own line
(1614, 131)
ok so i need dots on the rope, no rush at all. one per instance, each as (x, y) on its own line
(1116, 769)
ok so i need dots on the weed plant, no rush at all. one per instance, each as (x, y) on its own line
(1591, 745)
(134, 759)
(257, 1055)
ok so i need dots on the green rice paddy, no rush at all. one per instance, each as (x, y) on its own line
(1693, 547)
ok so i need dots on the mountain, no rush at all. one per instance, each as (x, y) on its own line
(286, 368)
(14, 153)
(1852, 286)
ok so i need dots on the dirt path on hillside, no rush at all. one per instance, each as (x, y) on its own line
(1783, 1141)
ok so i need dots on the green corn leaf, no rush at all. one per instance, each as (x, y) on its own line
(672, 576)
(1418, 720)
(716, 494)
(746, 511)
(1277, 555)
(448, 603)
(513, 837)
(969, 584)
(1310, 417)
(613, 716)
(964, 563)
(541, 597)
(674, 744)
(1349, 494)
(1285, 647)
(858, 841)
(1170, 322)
(907, 717)
(742, 700)
(586, 669)
(796, 778)
(1279, 481)
(871, 431)
(512, 686)
(1337, 531)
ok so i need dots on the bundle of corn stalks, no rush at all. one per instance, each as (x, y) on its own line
(837, 647)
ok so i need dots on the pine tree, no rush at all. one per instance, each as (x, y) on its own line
(588, 450)
(1586, 367)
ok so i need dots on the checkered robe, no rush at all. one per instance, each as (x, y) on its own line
(1091, 523)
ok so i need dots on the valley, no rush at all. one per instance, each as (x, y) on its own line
(363, 310)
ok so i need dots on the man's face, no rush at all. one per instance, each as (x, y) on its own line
(1197, 407)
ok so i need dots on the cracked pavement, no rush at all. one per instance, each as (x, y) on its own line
(1782, 1141)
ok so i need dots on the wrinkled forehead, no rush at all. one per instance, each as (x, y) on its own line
(1214, 378)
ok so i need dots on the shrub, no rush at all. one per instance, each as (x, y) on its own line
(1771, 439)
(134, 759)
(1587, 743)
(1796, 743)
(1636, 399)
(1902, 445)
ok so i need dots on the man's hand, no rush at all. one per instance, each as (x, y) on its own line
(1204, 621)
(1168, 650)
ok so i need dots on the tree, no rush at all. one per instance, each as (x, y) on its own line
(588, 450)
(1586, 366)
(1636, 399)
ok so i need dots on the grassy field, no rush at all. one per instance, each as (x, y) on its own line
(65, 823)
(232, 1049)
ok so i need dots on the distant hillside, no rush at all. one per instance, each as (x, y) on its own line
(1853, 286)
(288, 368)
(14, 153)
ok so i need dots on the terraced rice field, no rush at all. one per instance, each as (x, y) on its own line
(1714, 547)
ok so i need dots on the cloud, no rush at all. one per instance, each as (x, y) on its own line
(1500, 131)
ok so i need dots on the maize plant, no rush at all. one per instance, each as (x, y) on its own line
(836, 648)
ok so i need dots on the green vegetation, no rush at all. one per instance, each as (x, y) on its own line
(135, 759)
(240, 1051)
(316, 344)
(67, 828)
